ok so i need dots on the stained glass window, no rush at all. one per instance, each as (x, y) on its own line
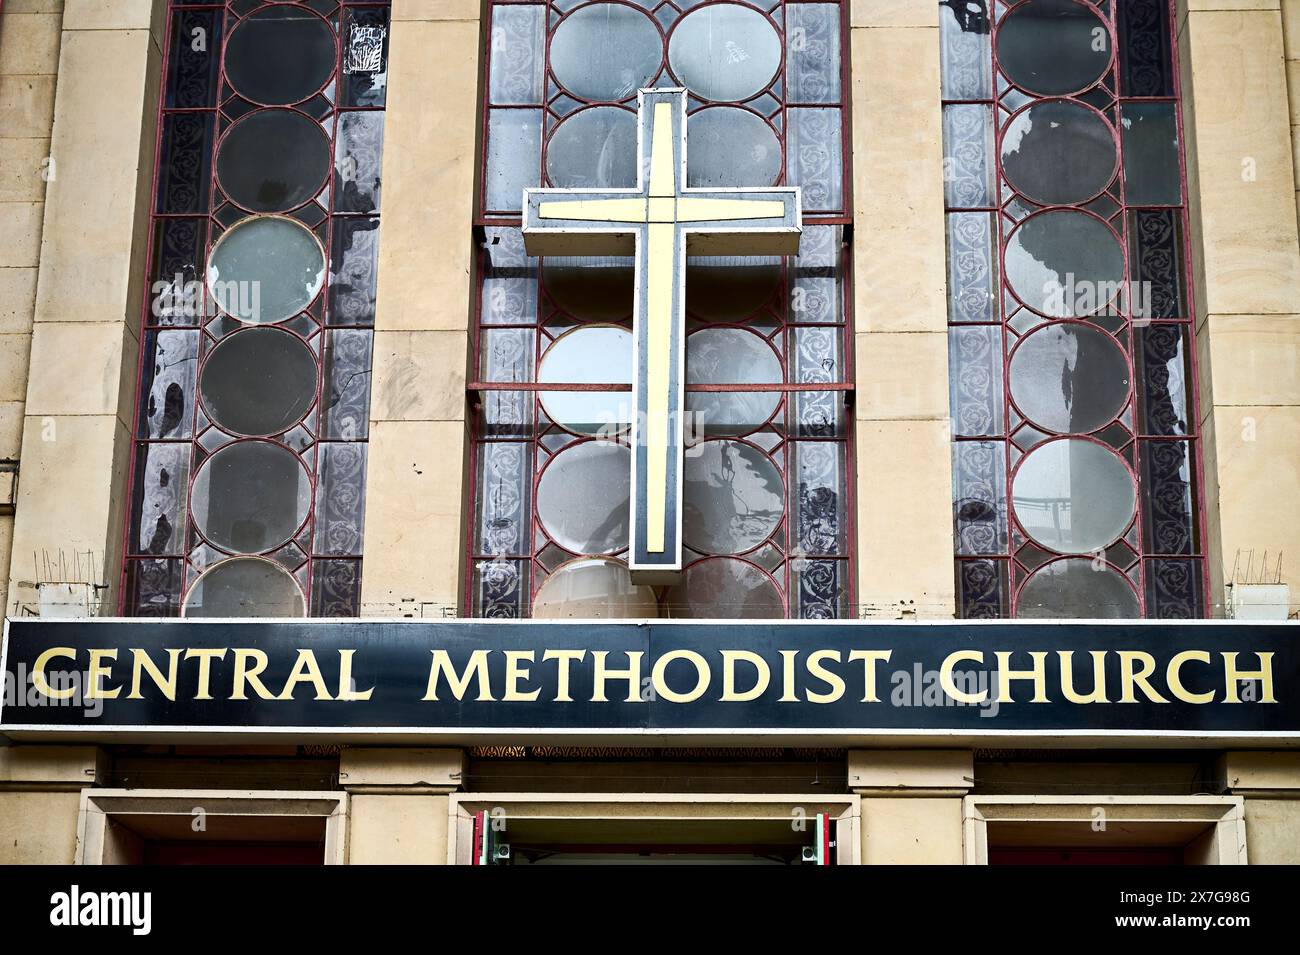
(248, 473)
(1076, 457)
(767, 521)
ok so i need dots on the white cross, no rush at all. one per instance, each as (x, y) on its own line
(660, 222)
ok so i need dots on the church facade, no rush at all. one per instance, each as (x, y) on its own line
(731, 431)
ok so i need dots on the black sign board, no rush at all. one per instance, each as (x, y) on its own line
(661, 681)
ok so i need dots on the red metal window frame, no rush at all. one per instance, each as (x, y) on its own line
(233, 12)
(488, 219)
(1016, 573)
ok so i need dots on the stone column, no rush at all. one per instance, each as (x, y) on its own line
(1242, 200)
(415, 519)
(911, 804)
(80, 393)
(398, 805)
(903, 448)
(29, 63)
(40, 801)
(1270, 783)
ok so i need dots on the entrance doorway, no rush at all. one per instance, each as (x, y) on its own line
(211, 827)
(1104, 830)
(652, 829)
(149, 839)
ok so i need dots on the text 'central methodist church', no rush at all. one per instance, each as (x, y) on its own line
(583, 431)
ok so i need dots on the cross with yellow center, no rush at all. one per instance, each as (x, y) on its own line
(660, 222)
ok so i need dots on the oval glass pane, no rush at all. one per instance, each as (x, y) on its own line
(733, 497)
(250, 497)
(606, 51)
(725, 52)
(258, 382)
(280, 55)
(1074, 588)
(1064, 263)
(582, 498)
(273, 160)
(1073, 496)
(596, 354)
(1058, 152)
(594, 148)
(724, 588)
(266, 269)
(590, 288)
(730, 146)
(1051, 47)
(593, 589)
(1069, 378)
(730, 356)
(245, 587)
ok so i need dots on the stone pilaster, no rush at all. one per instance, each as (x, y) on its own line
(903, 446)
(415, 499)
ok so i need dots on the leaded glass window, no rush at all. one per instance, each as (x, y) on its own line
(248, 472)
(767, 521)
(1076, 455)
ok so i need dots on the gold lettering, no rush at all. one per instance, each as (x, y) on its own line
(476, 668)
(632, 675)
(563, 658)
(96, 672)
(1175, 681)
(346, 692)
(38, 672)
(305, 670)
(244, 674)
(142, 663)
(946, 680)
(1130, 678)
(1264, 674)
(515, 673)
(1098, 694)
(205, 656)
(763, 676)
(869, 660)
(829, 677)
(788, 658)
(660, 683)
(1038, 674)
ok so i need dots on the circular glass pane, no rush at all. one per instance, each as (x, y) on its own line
(258, 382)
(1074, 588)
(730, 146)
(250, 497)
(594, 148)
(594, 353)
(725, 52)
(595, 289)
(245, 587)
(280, 55)
(724, 588)
(1064, 263)
(1073, 496)
(1053, 47)
(730, 289)
(733, 497)
(729, 356)
(582, 498)
(266, 269)
(273, 160)
(1068, 377)
(593, 589)
(1058, 152)
(606, 51)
